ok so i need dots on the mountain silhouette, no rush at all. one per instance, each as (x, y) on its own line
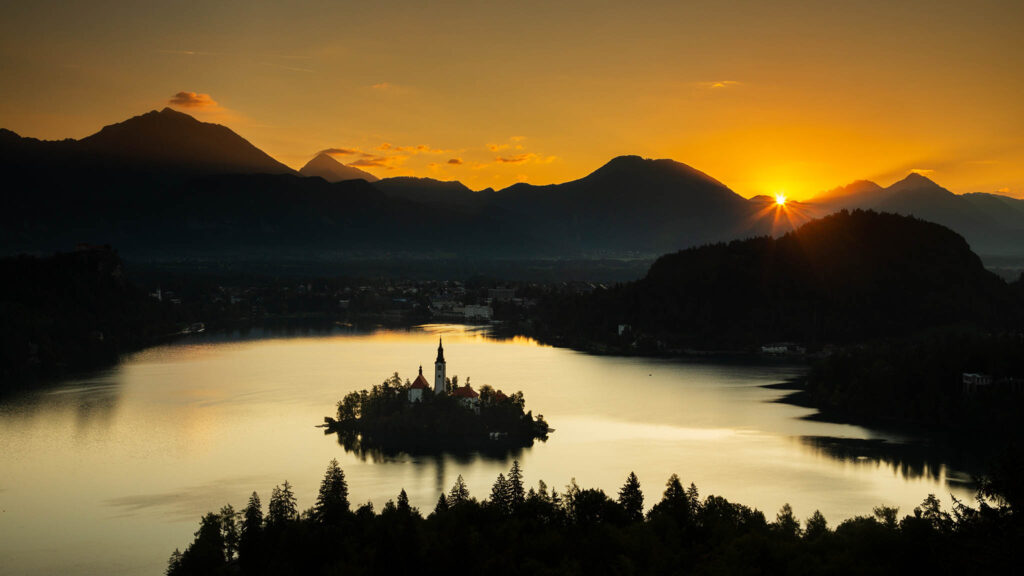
(165, 141)
(164, 181)
(631, 204)
(992, 224)
(325, 166)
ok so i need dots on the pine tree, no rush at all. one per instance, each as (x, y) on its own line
(786, 523)
(251, 539)
(229, 530)
(632, 499)
(459, 493)
(816, 526)
(442, 505)
(332, 501)
(516, 492)
(500, 496)
(283, 507)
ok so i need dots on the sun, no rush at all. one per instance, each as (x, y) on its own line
(780, 199)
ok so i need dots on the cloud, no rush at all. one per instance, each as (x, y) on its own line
(922, 171)
(193, 100)
(456, 161)
(524, 158)
(370, 161)
(718, 84)
(341, 152)
(418, 149)
(1004, 190)
(517, 159)
(498, 147)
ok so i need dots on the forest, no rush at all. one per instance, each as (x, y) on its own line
(539, 530)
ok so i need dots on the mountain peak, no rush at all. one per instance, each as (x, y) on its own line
(917, 183)
(324, 165)
(917, 179)
(169, 139)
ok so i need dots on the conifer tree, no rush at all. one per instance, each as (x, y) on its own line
(516, 492)
(283, 507)
(442, 504)
(632, 499)
(459, 493)
(332, 501)
(500, 497)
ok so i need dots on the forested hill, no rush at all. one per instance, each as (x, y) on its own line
(844, 278)
(72, 311)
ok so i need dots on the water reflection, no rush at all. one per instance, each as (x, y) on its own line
(368, 450)
(910, 461)
(92, 402)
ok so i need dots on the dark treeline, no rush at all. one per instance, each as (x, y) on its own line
(383, 418)
(846, 278)
(73, 311)
(919, 381)
(585, 531)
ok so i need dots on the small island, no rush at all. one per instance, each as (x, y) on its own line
(397, 416)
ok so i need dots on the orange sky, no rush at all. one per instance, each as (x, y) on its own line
(793, 97)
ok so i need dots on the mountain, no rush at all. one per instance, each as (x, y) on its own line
(629, 205)
(431, 190)
(857, 194)
(992, 224)
(166, 141)
(325, 166)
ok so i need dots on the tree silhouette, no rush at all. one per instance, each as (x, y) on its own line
(282, 507)
(332, 501)
(459, 494)
(632, 499)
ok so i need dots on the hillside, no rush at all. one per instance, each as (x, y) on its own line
(843, 278)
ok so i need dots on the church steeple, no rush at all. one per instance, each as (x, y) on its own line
(440, 385)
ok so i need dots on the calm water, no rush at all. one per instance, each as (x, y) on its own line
(107, 474)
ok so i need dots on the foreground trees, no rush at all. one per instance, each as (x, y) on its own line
(584, 531)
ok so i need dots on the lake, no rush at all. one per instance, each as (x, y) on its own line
(109, 472)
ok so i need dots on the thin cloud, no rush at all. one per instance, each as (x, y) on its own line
(455, 161)
(922, 171)
(418, 149)
(718, 84)
(193, 100)
(387, 162)
(340, 152)
(524, 158)
(517, 159)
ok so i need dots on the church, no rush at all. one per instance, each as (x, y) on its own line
(467, 396)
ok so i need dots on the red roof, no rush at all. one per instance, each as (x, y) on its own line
(420, 383)
(499, 395)
(465, 392)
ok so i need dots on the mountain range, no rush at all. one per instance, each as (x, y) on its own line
(164, 185)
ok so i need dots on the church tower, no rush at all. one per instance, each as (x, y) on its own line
(439, 382)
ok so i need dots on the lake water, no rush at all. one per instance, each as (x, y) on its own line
(109, 473)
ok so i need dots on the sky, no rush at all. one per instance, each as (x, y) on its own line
(792, 97)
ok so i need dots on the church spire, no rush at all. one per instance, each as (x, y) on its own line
(440, 382)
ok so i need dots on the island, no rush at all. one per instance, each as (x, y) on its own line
(404, 416)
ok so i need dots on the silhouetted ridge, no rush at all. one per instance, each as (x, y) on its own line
(325, 166)
(174, 140)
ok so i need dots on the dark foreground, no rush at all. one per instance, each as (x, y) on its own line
(584, 531)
